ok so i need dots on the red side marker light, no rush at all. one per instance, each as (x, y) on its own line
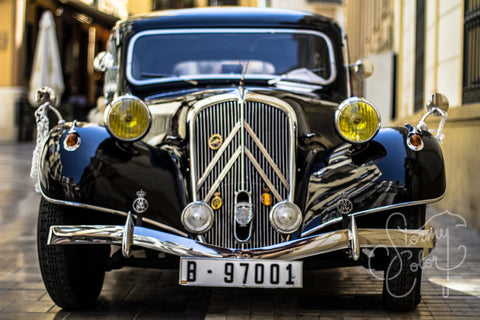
(415, 142)
(72, 141)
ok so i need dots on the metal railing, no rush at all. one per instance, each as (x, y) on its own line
(471, 58)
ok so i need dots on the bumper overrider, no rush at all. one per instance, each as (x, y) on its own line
(352, 239)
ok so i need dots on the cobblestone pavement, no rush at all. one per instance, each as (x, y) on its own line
(450, 285)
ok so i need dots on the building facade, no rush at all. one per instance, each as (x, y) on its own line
(433, 46)
(82, 30)
(143, 6)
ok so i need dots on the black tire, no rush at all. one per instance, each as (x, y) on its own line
(73, 274)
(403, 272)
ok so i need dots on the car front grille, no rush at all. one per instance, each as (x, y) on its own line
(257, 152)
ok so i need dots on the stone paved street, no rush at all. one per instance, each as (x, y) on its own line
(450, 284)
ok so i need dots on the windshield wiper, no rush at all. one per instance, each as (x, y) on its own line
(300, 75)
(163, 75)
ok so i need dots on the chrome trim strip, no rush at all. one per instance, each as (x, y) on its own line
(191, 117)
(267, 156)
(263, 175)
(291, 250)
(112, 211)
(134, 81)
(222, 175)
(346, 55)
(292, 117)
(127, 237)
(242, 140)
(354, 242)
(218, 155)
(374, 210)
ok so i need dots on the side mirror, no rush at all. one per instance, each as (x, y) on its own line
(44, 95)
(363, 67)
(103, 61)
(437, 102)
(437, 106)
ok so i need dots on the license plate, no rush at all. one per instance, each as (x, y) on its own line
(241, 273)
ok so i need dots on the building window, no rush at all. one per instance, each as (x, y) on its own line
(419, 55)
(339, 2)
(215, 3)
(171, 4)
(471, 52)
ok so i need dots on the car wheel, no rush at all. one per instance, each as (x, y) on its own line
(73, 274)
(403, 272)
(403, 276)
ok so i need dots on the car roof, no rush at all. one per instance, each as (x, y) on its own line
(228, 17)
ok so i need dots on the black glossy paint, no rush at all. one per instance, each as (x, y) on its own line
(106, 173)
(385, 172)
(228, 18)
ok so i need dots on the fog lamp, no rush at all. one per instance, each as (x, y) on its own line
(128, 118)
(197, 217)
(357, 120)
(285, 217)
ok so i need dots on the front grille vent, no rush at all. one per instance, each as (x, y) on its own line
(255, 153)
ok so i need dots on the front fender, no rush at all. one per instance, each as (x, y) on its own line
(383, 175)
(107, 174)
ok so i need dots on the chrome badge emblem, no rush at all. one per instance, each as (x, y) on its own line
(344, 205)
(266, 198)
(243, 213)
(140, 205)
(216, 202)
(215, 141)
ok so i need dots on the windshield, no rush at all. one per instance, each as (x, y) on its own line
(162, 56)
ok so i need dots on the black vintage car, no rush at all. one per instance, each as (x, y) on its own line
(233, 149)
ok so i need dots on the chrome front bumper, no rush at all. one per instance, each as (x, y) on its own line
(352, 239)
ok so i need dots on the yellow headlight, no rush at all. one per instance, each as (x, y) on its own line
(357, 120)
(128, 118)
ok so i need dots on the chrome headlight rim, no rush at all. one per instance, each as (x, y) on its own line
(342, 106)
(207, 227)
(109, 108)
(273, 222)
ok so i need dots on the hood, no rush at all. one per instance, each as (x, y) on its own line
(315, 117)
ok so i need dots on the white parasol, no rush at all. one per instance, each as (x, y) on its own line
(47, 68)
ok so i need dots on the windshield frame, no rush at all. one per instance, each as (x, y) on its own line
(167, 79)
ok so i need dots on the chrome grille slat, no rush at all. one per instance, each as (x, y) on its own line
(265, 155)
(271, 163)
